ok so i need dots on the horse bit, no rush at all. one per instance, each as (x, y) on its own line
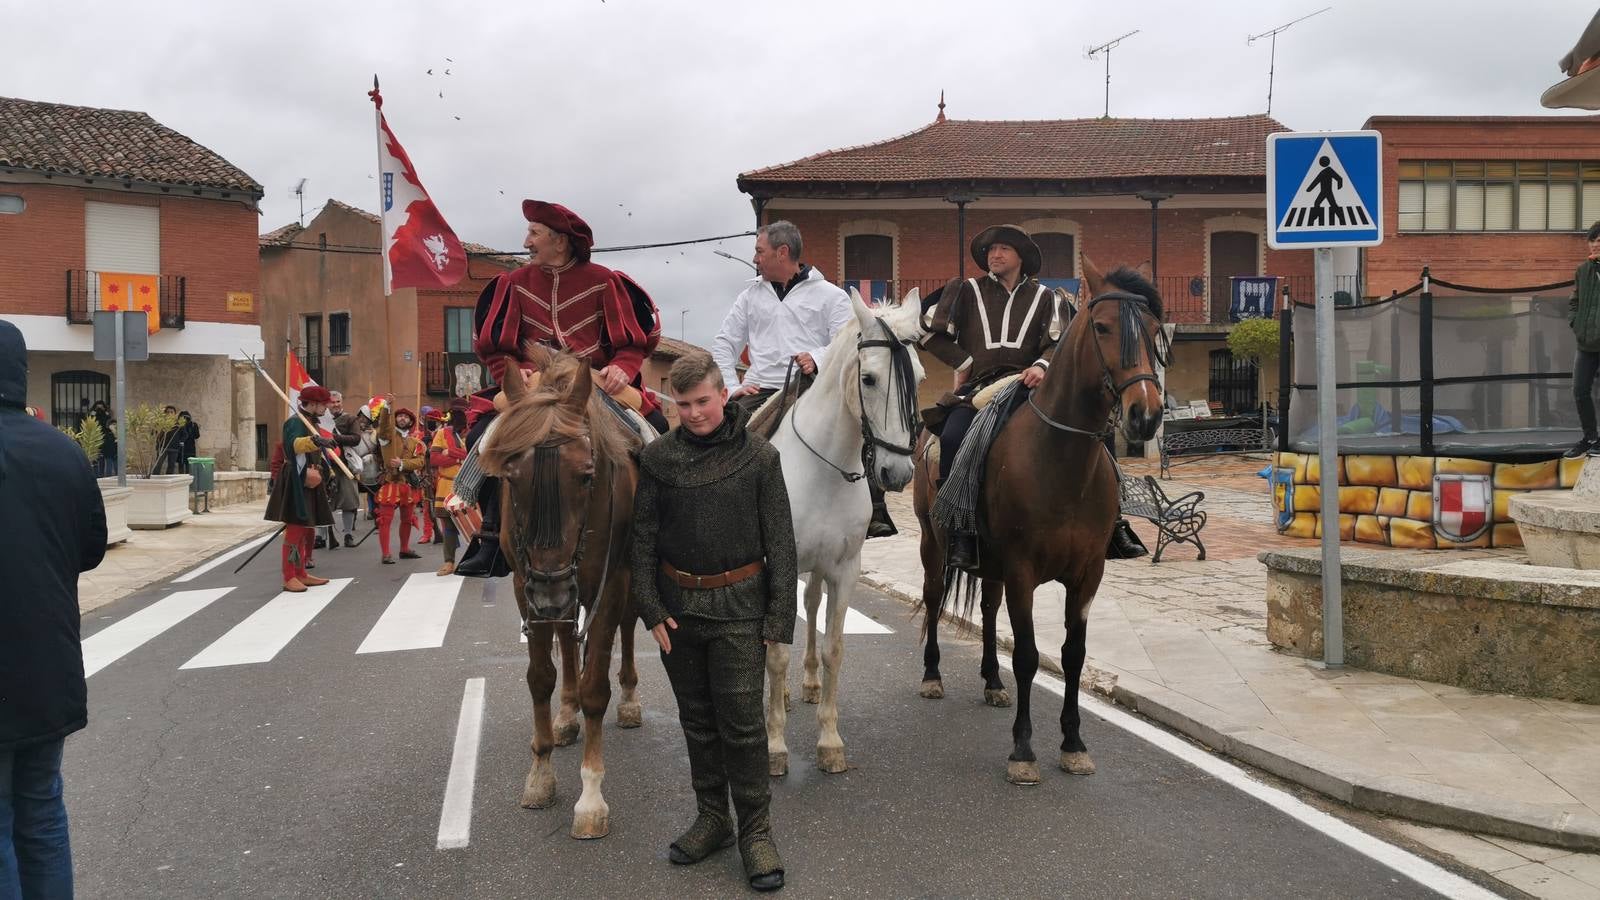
(900, 354)
(1141, 309)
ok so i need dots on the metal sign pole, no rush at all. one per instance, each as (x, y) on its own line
(122, 405)
(1328, 457)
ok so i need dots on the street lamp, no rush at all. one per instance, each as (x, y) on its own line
(726, 255)
(1153, 198)
(961, 199)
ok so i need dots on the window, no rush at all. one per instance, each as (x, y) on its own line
(11, 204)
(1058, 258)
(311, 346)
(1233, 384)
(338, 334)
(73, 393)
(458, 329)
(1479, 195)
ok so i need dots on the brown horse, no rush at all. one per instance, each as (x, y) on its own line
(1049, 501)
(568, 481)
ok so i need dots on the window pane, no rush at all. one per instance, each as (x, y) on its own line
(869, 256)
(1410, 168)
(1530, 167)
(1563, 170)
(458, 330)
(1530, 207)
(1469, 207)
(1497, 212)
(1437, 198)
(1591, 171)
(1498, 169)
(1591, 201)
(1438, 170)
(1469, 170)
(1563, 207)
(1410, 206)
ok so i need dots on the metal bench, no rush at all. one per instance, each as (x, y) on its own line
(1200, 443)
(1178, 521)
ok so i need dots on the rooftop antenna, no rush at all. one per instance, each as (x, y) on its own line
(1106, 48)
(300, 191)
(1272, 63)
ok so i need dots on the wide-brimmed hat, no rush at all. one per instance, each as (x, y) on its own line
(1013, 237)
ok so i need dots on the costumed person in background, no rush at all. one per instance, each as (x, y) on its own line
(563, 301)
(445, 455)
(403, 457)
(422, 433)
(298, 498)
(1583, 314)
(714, 578)
(345, 494)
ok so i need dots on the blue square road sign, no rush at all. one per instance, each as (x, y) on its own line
(1324, 189)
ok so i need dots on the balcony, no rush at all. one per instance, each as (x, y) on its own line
(312, 359)
(436, 373)
(83, 297)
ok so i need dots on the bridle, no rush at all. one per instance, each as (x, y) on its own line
(547, 455)
(1133, 309)
(905, 375)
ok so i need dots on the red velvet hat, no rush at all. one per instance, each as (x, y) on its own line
(556, 217)
(315, 393)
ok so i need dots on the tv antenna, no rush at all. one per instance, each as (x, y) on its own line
(1272, 63)
(1106, 48)
(300, 191)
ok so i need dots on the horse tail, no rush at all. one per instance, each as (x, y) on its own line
(957, 601)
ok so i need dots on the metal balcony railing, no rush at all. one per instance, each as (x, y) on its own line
(84, 289)
(436, 373)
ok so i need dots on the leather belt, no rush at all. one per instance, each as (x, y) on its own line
(690, 581)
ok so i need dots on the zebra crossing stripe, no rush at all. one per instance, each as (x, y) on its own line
(202, 569)
(117, 640)
(855, 622)
(262, 635)
(417, 617)
(455, 818)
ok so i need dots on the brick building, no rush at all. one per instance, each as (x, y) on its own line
(322, 289)
(1184, 197)
(1492, 201)
(87, 194)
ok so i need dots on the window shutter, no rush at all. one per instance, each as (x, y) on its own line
(1591, 201)
(1437, 216)
(1563, 206)
(1410, 206)
(1469, 207)
(1498, 212)
(120, 238)
(1531, 207)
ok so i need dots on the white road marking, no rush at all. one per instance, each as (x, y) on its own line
(417, 617)
(115, 641)
(455, 819)
(1405, 863)
(199, 570)
(269, 629)
(855, 621)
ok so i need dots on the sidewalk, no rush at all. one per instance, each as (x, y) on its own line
(149, 556)
(1184, 642)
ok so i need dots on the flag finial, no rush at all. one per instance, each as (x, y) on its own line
(941, 106)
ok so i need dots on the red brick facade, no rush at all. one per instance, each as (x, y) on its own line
(1501, 259)
(210, 242)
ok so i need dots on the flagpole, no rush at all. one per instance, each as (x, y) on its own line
(383, 206)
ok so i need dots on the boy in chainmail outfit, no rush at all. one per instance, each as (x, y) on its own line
(714, 580)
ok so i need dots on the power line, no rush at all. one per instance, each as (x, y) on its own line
(347, 248)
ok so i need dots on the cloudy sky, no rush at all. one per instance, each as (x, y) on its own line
(640, 113)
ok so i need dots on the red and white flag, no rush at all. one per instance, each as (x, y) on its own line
(419, 249)
(295, 380)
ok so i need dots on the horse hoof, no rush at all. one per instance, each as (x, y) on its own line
(831, 759)
(1077, 763)
(778, 764)
(539, 796)
(932, 689)
(566, 733)
(630, 715)
(811, 693)
(999, 697)
(592, 826)
(1022, 772)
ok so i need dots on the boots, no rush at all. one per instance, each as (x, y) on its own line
(349, 540)
(1125, 544)
(712, 829)
(483, 558)
(881, 525)
(962, 551)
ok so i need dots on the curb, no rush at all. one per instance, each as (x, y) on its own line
(1393, 795)
(203, 555)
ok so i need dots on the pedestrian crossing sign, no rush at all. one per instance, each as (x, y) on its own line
(1325, 189)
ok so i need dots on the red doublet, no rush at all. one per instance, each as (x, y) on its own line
(583, 308)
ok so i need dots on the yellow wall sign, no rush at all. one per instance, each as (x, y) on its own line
(241, 301)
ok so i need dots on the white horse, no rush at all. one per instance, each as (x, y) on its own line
(864, 396)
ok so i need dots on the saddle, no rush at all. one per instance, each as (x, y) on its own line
(769, 415)
(933, 417)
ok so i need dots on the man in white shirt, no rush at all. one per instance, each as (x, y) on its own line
(788, 312)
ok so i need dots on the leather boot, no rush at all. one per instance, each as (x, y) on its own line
(481, 561)
(1125, 544)
(881, 525)
(712, 829)
(962, 551)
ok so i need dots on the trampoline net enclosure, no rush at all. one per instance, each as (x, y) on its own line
(1499, 382)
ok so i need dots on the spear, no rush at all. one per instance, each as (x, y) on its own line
(334, 457)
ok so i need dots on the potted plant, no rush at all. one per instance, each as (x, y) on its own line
(158, 501)
(90, 438)
(1256, 340)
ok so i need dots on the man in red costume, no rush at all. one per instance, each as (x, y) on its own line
(566, 302)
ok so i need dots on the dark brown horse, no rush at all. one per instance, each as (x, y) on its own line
(568, 482)
(1050, 499)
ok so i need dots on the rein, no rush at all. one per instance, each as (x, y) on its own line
(1133, 308)
(905, 376)
(542, 528)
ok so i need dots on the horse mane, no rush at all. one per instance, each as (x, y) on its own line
(543, 414)
(1127, 279)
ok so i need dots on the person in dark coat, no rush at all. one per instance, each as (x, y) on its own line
(53, 517)
(1583, 314)
(188, 439)
(714, 578)
(299, 499)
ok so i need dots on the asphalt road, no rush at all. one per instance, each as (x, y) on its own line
(320, 771)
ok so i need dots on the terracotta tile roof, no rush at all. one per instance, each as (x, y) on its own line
(672, 348)
(1054, 149)
(281, 237)
(109, 143)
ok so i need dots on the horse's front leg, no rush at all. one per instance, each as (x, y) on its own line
(1022, 767)
(539, 789)
(777, 709)
(932, 596)
(591, 818)
(810, 684)
(1074, 755)
(994, 690)
(830, 745)
(630, 714)
(566, 727)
